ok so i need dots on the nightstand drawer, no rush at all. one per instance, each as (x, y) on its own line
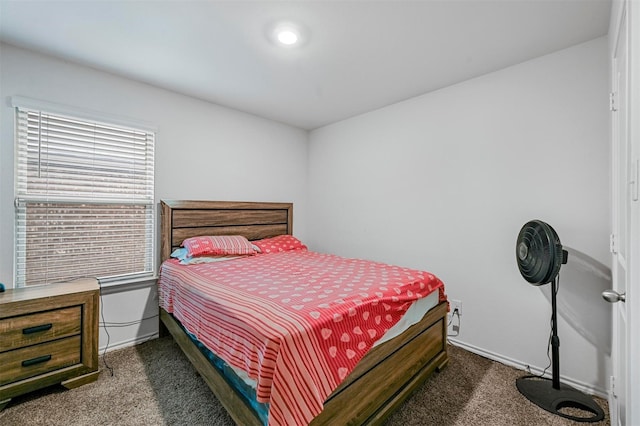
(25, 330)
(39, 359)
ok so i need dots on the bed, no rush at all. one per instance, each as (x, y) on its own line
(380, 381)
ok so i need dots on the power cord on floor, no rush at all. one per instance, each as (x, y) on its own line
(106, 324)
(104, 353)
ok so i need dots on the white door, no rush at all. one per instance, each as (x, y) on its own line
(625, 224)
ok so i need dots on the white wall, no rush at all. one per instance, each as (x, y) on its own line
(445, 181)
(203, 151)
(441, 182)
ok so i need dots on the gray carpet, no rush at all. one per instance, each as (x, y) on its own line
(154, 384)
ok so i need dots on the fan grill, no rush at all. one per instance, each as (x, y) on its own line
(538, 252)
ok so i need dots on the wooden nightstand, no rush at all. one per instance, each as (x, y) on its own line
(48, 335)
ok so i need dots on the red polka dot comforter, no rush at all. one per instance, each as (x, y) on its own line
(297, 322)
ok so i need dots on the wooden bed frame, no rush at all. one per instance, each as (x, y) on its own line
(382, 380)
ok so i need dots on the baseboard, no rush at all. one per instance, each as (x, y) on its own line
(583, 387)
(131, 342)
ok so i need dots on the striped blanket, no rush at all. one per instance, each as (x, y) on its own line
(297, 322)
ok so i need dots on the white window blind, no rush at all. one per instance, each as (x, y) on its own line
(84, 199)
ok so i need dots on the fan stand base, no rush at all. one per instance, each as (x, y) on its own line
(541, 392)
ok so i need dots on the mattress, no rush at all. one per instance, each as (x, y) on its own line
(294, 323)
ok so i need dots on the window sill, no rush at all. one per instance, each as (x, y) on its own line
(127, 285)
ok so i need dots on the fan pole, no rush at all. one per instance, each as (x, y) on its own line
(555, 340)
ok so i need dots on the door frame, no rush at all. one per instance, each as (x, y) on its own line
(633, 286)
(629, 10)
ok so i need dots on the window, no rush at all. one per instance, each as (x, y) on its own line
(84, 199)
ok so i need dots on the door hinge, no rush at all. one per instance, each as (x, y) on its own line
(612, 101)
(612, 244)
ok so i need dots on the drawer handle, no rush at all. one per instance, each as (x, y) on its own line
(37, 328)
(38, 360)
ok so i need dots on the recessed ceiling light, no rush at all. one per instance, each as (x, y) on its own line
(287, 34)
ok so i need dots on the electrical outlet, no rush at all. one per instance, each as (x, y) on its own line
(454, 317)
(453, 305)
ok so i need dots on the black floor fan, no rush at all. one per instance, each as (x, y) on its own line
(539, 255)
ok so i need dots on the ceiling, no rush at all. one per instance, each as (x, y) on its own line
(357, 56)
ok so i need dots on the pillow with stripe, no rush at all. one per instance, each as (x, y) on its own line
(279, 244)
(218, 245)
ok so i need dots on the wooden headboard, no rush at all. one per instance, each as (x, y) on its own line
(255, 220)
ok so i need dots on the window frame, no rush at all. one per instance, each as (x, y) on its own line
(89, 116)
